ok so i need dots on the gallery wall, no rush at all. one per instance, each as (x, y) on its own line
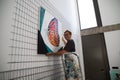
(70, 13)
(20, 22)
(18, 52)
(109, 10)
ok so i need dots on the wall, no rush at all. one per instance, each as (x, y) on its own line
(69, 11)
(6, 9)
(109, 10)
(113, 47)
(18, 32)
(18, 53)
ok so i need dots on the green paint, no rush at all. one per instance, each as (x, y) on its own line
(42, 13)
(48, 49)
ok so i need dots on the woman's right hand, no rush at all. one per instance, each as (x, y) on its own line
(64, 41)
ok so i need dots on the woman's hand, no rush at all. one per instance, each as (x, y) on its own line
(64, 41)
(49, 54)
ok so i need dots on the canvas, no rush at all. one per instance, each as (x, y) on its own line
(49, 33)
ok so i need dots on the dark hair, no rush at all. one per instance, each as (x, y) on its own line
(68, 32)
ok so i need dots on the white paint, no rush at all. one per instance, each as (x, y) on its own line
(110, 14)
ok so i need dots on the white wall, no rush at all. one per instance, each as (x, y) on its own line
(19, 60)
(113, 47)
(110, 14)
(110, 11)
(68, 9)
(6, 14)
(19, 21)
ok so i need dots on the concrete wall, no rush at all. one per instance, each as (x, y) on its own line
(110, 14)
(113, 47)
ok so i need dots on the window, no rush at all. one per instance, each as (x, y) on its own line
(87, 14)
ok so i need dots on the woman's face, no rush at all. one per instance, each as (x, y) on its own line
(67, 35)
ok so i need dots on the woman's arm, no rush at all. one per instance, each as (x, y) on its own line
(59, 53)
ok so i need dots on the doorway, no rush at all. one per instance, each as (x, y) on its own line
(95, 57)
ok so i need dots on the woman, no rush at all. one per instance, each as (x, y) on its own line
(69, 45)
(69, 61)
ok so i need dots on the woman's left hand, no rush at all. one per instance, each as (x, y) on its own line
(49, 54)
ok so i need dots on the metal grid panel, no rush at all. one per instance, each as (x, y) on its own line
(25, 63)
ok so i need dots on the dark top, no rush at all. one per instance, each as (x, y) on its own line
(70, 46)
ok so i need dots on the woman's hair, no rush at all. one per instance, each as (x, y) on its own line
(68, 32)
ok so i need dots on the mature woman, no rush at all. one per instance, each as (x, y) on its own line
(69, 45)
(71, 70)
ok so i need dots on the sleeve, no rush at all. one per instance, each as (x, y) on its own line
(70, 46)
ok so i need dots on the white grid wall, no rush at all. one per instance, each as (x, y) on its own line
(25, 63)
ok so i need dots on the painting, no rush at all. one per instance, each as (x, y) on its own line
(49, 33)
